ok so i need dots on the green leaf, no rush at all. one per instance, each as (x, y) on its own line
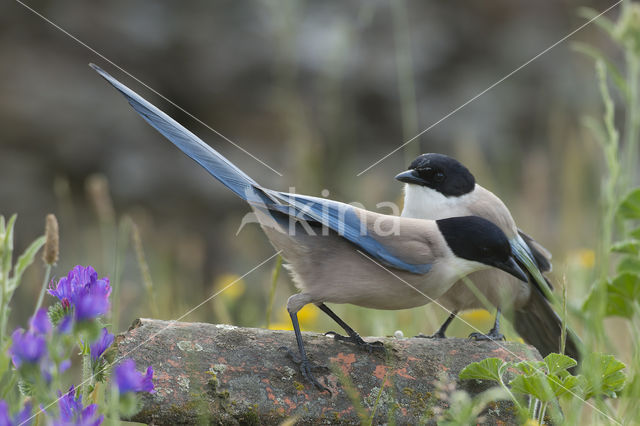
(487, 369)
(629, 208)
(621, 294)
(536, 384)
(635, 233)
(567, 387)
(557, 363)
(630, 246)
(629, 264)
(530, 367)
(25, 260)
(603, 375)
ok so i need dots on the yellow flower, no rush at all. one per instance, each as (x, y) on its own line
(307, 317)
(585, 258)
(234, 290)
(531, 422)
(281, 325)
(477, 315)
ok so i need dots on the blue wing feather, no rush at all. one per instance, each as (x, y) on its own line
(341, 218)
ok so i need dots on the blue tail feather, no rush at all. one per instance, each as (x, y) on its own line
(218, 166)
(337, 216)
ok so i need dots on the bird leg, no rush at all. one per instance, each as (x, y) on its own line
(302, 360)
(443, 328)
(354, 337)
(494, 333)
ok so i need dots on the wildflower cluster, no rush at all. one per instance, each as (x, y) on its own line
(43, 352)
(82, 293)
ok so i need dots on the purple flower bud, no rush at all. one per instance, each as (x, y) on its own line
(21, 418)
(98, 347)
(73, 413)
(129, 379)
(40, 323)
(27, 347)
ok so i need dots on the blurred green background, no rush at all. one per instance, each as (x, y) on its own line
(318, 91)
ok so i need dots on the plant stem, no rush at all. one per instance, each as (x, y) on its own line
(543, 409)
(45, 281)
(563, 331)
(610, 200)
(114, 401)
(121, 246)
(3, 313)
(87, 376)
(406, 80)
(632, 122)
(6, 254)
(145, 273)
(506, 388)
(611, 157)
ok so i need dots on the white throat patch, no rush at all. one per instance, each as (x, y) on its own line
(422, 202)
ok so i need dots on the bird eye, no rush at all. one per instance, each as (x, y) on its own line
(438, 177)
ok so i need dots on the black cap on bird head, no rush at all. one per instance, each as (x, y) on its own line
(477, 239)
(441, 173)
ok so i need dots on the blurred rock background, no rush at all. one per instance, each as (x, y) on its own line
(318, 91)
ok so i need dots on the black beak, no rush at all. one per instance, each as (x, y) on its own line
(410, 176)
(511, 267)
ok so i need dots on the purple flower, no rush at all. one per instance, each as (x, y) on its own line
(73, 413)
(82, 290)
(40, 323)
(98, 347)
(22, 418)
(129, 379)
(90, 306)
(27, 347)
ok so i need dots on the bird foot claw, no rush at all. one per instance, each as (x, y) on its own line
(492, 335)
(357, 340)
(305, 368)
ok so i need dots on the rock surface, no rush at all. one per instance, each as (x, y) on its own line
(217, 373)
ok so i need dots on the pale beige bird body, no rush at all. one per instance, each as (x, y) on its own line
(328, 268)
